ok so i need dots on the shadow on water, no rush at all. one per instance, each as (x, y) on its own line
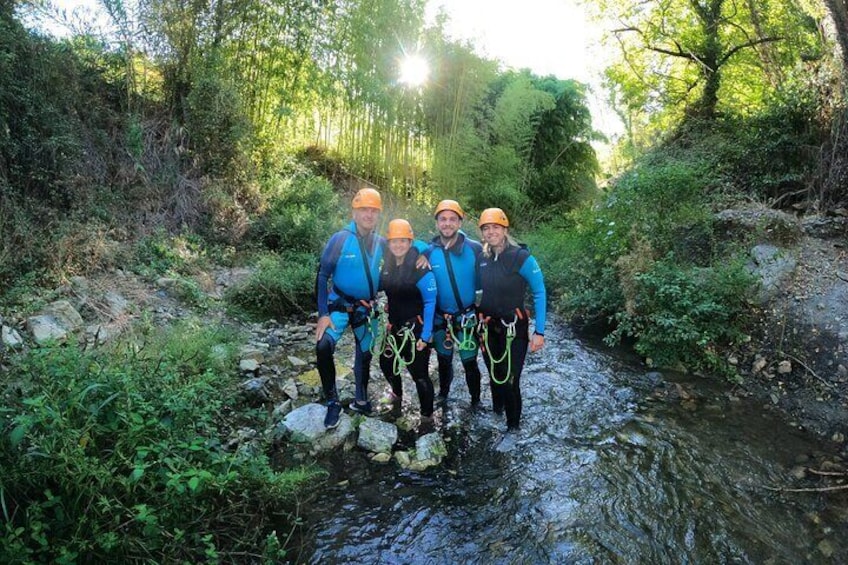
(612, 466)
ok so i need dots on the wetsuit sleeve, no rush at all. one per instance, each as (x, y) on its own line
(326, 266)
(532, 273)
(427, 287)
(426, 253)
(422, 246)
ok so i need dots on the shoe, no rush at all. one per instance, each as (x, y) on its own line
(364, 408)
(390, 399)
(441, 400)
(498, 410)
(477, 407)
(426, 425)
(508, 441)
(331, 420)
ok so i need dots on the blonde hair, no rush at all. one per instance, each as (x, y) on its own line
(487, 249)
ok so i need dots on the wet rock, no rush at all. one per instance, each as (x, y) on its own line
(403, 459)
(430, 449)
(381, 457)
(825, 547)
(305, 425)
(799, 472)
(655, 378)
(377, 436)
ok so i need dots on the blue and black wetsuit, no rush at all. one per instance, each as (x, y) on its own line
(411, 295)
(347, 281)
(455, 270)
(504, 279)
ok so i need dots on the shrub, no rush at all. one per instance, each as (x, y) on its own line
(302, 212)
(683, 315)
(160, 253)
(282, 286)
(116, 455)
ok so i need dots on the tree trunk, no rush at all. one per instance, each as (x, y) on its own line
(839, 13)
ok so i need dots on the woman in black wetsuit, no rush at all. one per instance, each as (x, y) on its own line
(506, 270)
(411, 294)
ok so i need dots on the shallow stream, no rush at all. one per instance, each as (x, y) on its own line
(613, 465)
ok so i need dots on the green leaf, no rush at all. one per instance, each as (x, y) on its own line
(17, 435)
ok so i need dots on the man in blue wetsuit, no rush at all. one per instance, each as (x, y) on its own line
(348, 276)
(453, 259)
(506, 271)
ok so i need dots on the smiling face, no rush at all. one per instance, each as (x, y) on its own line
(494, 234)
(366, 218)
(399, 247)
(448, 223)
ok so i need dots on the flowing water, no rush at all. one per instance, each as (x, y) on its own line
(612, 465)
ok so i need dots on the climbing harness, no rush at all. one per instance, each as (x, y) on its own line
(466, 324)
(392, 348)
(483, 329)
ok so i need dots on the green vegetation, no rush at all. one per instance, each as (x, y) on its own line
(118, 455)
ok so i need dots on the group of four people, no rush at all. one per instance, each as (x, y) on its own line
(431, 303)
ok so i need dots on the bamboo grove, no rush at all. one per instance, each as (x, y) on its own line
(243, 76)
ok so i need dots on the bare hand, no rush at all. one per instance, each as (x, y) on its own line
(323, 323)
(421, 345)
(422, 262)
(537, 342)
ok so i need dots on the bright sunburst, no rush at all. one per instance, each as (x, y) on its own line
(414, 70)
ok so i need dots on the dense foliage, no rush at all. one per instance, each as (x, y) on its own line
(118, 455)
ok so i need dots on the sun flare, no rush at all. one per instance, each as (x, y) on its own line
(414, 70)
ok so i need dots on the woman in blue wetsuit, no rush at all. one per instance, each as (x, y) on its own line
(411, 294)
(506, 270)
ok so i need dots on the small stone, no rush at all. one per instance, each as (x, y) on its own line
(799, 472)
(838, 437)
(11, 338)
(381, 457)
(248, 365)
(759, 364)
(826, 548)
(784, 367)
(296, 361)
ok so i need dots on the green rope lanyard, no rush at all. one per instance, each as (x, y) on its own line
(466, 323)
(377, 317)
(507, 354)
(392, 348)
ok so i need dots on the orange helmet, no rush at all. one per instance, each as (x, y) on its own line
(399, 229)
(368, 198)
(493, 216)
(451, 205)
